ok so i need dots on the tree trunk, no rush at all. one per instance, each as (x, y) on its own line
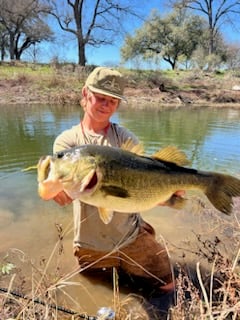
(211, 42)
(171, 62)
(11, 46)
(81, 54)
(211, 31)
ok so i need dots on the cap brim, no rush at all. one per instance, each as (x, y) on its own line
(106, 93)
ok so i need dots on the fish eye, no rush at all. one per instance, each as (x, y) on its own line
(60, 155)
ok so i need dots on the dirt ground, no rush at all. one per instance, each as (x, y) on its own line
(178, 98)
(189, 91)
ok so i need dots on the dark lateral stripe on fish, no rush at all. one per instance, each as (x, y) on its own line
(171, 166)
(115, 191)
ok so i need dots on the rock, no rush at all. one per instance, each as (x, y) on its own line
(236, 88)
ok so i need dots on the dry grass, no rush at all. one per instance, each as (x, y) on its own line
(214, 294)
(62, 83)
(211, 293)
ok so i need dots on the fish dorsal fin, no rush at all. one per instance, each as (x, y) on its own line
(105, 215)
(129, 145)
(172, 154)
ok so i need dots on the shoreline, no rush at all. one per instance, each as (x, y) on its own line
(26, 85)
(145, 102)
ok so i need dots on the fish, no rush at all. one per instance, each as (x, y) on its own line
(127, 180)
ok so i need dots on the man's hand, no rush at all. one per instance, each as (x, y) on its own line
(62, 198)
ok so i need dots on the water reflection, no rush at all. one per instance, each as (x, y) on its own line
(208, 136)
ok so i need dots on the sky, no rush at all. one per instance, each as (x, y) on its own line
(66, 48)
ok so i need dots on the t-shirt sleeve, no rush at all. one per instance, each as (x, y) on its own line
(125, 135)
(64, 141)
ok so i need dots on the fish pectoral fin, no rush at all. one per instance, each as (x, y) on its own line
(176, 202)
(129, 145)
(172, 154)
(105, 215)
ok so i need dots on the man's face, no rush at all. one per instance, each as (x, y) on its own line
(100, 106)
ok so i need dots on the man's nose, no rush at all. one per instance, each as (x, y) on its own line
(105, 102)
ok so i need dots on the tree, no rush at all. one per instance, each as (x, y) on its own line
(203, 60)
(233, 56)
(4, 41)
(217, 12)
(171, 37)
(91, 22)
(24, 24)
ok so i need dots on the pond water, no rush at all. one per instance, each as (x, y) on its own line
(30, 228)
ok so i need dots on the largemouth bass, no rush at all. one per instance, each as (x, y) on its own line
(113, 179)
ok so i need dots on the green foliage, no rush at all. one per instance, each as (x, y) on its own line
(7, 268)
(172, 36)
(217, 14)
(15, 69)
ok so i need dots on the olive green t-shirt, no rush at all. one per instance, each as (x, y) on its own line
(89, 230)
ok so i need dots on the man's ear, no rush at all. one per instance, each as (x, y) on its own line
(84, 91)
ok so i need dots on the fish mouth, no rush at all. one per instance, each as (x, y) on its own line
(47, 188)
(43, 168)
(50, 185)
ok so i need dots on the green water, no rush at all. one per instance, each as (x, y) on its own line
(210, 137)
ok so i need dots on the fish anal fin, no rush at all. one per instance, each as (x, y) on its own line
(172, 154)
(129, 145)
(105, 215)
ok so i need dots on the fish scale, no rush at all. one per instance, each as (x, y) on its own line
(114, 179)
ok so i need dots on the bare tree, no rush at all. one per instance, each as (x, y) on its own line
(24, 23)
(92, 22)
(217, 12)
(4, 42)
(233, 56)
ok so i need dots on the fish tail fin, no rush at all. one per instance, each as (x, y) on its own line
(222, 191)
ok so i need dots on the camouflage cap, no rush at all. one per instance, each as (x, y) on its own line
(106, 81)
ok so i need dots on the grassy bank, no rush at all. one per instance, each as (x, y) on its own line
(61, 84)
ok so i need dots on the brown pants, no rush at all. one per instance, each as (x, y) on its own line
(144, 257)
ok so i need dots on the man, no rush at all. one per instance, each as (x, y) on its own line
(127, 242)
